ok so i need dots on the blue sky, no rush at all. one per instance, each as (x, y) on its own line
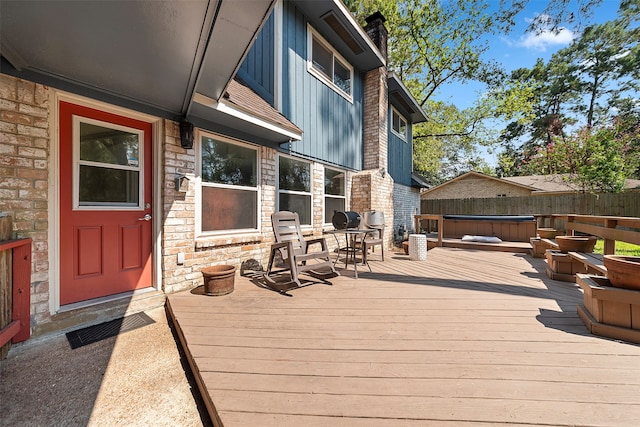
(521, 49)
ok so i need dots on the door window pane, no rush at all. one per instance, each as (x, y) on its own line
(103, 186)
(108, 164)
(105, 145)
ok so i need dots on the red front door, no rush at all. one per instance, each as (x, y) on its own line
(105, 204)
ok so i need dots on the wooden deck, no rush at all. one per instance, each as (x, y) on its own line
(464, 338)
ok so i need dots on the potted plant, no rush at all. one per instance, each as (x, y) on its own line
(583, 244)
(219, 279)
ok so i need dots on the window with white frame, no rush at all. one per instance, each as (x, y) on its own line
(229, 185)
(334, 193)
(398, 124)
(326, 63)
(294, 187)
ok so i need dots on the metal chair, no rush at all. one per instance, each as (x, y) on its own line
(295, 252)
(371, 241)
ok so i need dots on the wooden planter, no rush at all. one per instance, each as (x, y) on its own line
(609, 311)
(562, 267)
(583, 244)
(547, 233)
(623, 271)
(219, 280)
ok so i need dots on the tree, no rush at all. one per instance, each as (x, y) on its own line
(589, 82)
(605, 61)
(596, 159)
(434, 43)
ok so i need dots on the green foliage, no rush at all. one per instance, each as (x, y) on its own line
(594, 81)
(595, 160)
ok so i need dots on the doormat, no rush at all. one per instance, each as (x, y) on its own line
(96, 333)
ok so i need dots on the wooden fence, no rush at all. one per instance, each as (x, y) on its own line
(607, 204)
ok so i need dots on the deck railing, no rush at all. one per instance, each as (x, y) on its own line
(609, 228)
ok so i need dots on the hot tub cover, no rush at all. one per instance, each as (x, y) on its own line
(512, 218)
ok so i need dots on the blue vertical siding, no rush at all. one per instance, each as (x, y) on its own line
(332, 126)
(257, 70)
(400, 153)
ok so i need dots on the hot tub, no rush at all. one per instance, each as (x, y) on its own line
(512, 228)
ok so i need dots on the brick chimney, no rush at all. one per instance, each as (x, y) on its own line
(372, 188)
(376, 101)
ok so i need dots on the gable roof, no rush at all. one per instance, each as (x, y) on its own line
(477, 175)
(400, 96)
(537, 184)
(557, 183)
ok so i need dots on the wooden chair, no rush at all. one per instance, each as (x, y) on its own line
(371, 241)
(295, 252)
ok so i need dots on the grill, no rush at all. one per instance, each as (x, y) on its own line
(373, 219)
(344, 220)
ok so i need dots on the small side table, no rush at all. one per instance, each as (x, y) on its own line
(417, 247)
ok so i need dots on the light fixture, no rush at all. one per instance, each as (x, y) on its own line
(182, 183)
(186, 134)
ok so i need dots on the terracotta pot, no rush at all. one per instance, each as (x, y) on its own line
(547, 233)
(623, 271)
(219, 279)
(576, 243)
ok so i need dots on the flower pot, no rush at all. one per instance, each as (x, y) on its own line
(219, 279)
(576, 243)
(547, 233)
(623, 271)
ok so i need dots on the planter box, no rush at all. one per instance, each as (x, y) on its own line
(608, 311)
(562, 267)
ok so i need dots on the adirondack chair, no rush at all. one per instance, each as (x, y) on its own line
(298, 254)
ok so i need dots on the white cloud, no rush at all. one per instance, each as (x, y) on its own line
(543, 39)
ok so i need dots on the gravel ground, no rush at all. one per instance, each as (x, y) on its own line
(135, 379)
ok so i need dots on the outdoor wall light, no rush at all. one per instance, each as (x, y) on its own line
(182, 183)
(186, 134)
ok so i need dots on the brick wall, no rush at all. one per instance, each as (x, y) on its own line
(179, 227)
(406, 202)
(24, 176)
(472, 187)
(372, 191)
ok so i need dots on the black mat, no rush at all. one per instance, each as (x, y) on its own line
(96, 333)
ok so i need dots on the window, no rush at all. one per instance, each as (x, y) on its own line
(109, 167)
(398, 124)
(327, 64)
(294, 187)
(334, 191)
(229, 176)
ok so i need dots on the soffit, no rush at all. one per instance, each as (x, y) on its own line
(150, 53)
(334, 21)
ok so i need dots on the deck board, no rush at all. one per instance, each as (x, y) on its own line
(466, 338)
